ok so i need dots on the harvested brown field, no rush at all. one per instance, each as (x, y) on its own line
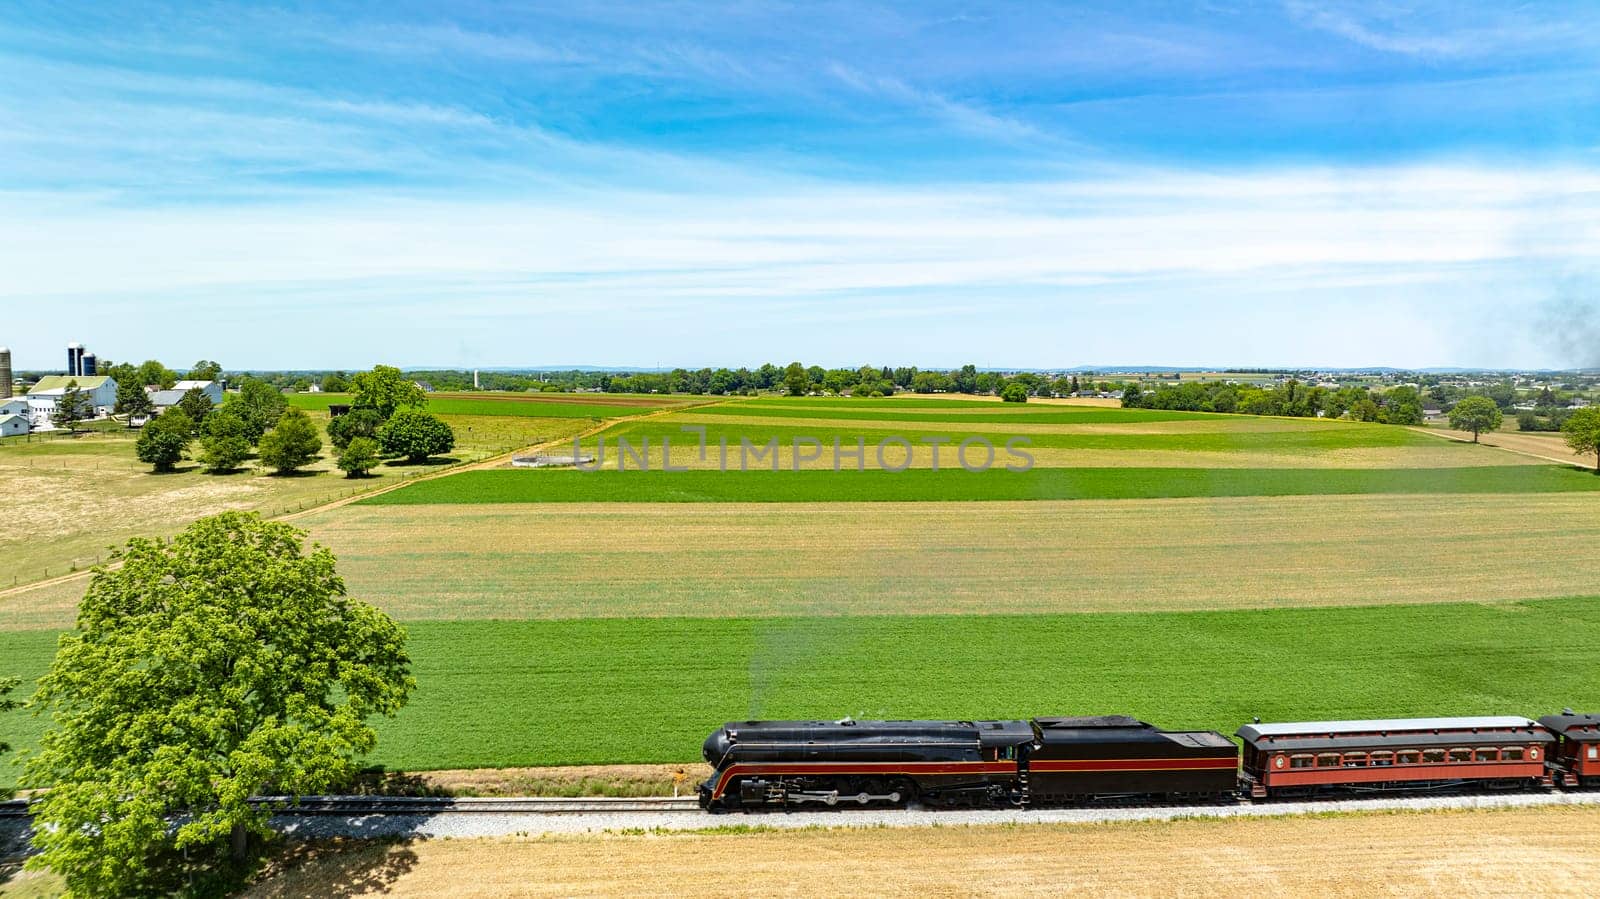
(669, 559)
(1458, 853)
(1548, 446)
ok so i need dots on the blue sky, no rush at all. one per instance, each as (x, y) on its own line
(1013, 184)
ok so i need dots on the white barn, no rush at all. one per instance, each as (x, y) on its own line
(44, 397)
(13, 425)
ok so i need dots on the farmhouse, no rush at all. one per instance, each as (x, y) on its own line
(44, 397)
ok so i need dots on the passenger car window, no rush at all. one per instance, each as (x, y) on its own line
(1328, 760)
(1460, 755)
(1486, 754)
(1433, 756)
(1300, 761)
(1511, 754)
(1408, 757)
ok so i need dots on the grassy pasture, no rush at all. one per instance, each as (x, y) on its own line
(944, 485)
(601, 691)
(77, 496)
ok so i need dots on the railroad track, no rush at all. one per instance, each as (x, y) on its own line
(440, 805)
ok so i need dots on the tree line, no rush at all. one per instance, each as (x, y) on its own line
(1400, 405)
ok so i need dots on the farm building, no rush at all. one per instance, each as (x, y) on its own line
(17, 405)
(163, 400)
(212, 389)
(44, 396)
(13, 425)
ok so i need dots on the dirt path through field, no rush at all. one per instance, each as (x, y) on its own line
(1470, 853)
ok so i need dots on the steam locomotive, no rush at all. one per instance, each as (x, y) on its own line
(949, 764)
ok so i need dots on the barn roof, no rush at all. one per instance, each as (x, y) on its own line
(55, 383)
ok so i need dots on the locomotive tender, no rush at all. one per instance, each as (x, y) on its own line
(1117, 758)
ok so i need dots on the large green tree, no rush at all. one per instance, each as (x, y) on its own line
(385, 389)
(1582, 430)
(205, 370)
(195, 404)
(73, 407)
(258, 404)
(416, 436)
(132, 398)
(224, 664)
(353, 424)
(1476, 414)
(293, 444)
(358, 457)
(796, 380)
(7, 684)
(223, 444)
(154, 374)
(165, 440)
(1014, 392)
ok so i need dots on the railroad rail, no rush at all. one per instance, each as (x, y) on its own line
(440, 805)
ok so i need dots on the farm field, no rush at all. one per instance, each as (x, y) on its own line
(1458, 853)
(947, 484)
(643, 608)
(603, 691)
(529, 405)
(76, 496)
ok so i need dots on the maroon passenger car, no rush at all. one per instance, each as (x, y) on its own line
(1315, 757)
(1575, 759)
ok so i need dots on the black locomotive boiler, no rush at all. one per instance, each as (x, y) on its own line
(962, 763)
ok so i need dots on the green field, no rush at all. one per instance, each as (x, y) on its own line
(533, 405)
(502, 693)
(1193, 569)
(945, 485)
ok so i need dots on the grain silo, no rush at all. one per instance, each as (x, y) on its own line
(74, 359)
(5, 373)
(87, 365)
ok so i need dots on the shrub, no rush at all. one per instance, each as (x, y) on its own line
(358, 457)
(292, 444)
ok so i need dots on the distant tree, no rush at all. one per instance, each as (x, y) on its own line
(223, 444)
(767, 376)
(352, 424)
(1014, 393)
(195, 404)
(1582, 430)
(416, 436)
(205, 370)
(335, 382)
(154, 374)
(292, 445)
(358, 457)
(165, 440)
(258, 404)
(73, 407)
(385, 389)
(132, 398)
(1476, 414)
(930, 382)
(1132, 396)
(796, 380)
(224, 664)
(965, 379)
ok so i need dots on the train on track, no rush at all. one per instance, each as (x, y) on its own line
(1115, 758)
